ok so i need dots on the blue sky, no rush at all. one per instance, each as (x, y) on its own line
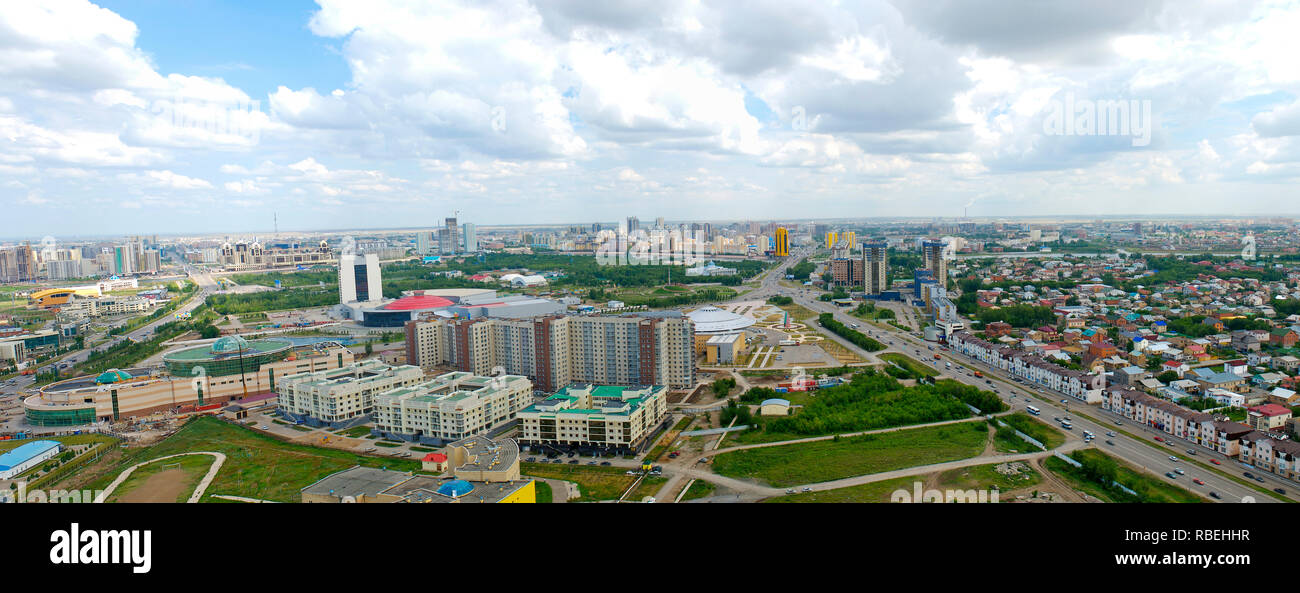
(211, 117)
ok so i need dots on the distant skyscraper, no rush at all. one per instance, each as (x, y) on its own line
(471, 238)
(424, 242)
(449, 238)
(782, 242)
(359, 279)
(633, 223)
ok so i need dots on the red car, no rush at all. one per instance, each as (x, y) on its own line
(1198, 481)
(1159, 440)
(1215, 462)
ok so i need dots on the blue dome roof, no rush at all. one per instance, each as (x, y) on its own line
(229, 345)
(455, 488)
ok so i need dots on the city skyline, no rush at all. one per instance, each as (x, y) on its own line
(125, 118)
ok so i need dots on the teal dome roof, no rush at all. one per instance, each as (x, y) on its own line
(455, 488)
(113, 376)
(230, 345)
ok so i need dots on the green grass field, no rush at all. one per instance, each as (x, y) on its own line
(594, 483)
(1152, 489)
(909, 363)
(1043, 432)
(194, 467)
(822, 461)
(257, 465)
(983, 477)
(700, 489)
(544, 494)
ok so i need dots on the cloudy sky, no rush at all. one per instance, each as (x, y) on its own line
(211, 115)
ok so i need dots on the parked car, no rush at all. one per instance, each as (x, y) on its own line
(606, 463)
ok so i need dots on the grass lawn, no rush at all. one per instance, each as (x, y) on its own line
(544, 495)
(798, 312)
(909, 363)
(257, 465)
(648, 487)
(700, 489)
(1153, 489)
(355, 432)
(1039, 430)
(873, 492)
(594, 482)
(982, 477)
(822, 461)
(194, 466)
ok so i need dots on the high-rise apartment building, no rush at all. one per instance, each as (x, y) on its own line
(359, 279)
(555, 351)
(424, 243)
(449, 238)
(933, 251)
(18, 264)
(875, 265)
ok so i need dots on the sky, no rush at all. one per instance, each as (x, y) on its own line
(153, 116)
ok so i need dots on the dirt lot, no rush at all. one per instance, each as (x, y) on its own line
(164, 486)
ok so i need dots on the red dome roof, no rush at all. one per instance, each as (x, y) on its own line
(412, 303)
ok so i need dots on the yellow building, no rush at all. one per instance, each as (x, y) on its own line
(831, 237)
(782, 242)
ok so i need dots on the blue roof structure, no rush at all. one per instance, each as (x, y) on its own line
(22, 453)
(455, 488)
